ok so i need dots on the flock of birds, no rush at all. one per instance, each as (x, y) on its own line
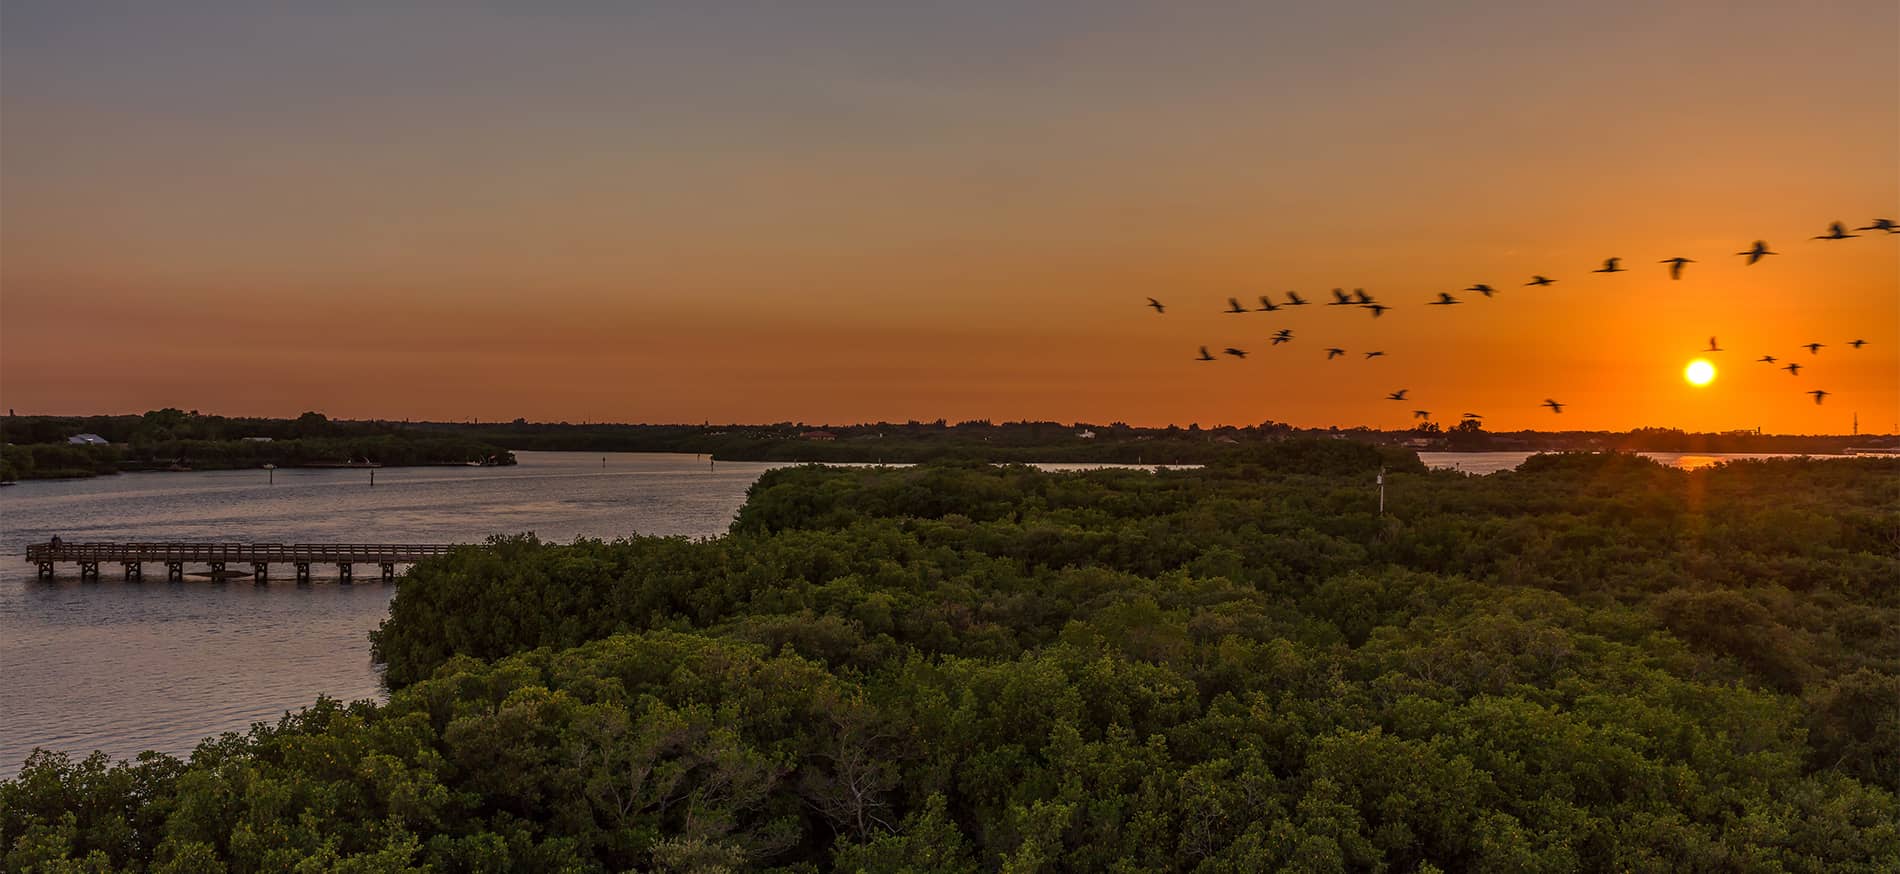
(1361, 300)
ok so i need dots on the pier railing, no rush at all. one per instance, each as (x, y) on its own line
(239, 553)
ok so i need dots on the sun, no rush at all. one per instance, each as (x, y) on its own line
(1699, 372)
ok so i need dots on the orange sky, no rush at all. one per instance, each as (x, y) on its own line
(841, 214)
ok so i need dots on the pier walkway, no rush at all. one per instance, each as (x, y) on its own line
(216, 556)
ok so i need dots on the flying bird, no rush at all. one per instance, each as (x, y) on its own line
(1814, 348)
(1421, 414)
(1372, 355)
(1882, 225)
(1378, 309)
(1471, 416)
(1204, 355)
(1341, 298)
(1444, 300)
(1793, 368)
(1293, 299)
(1819, 394)
(1360, 295)
(1233, 305)
(1267, 306)
(1675, 265)
(1553, 405)
(1836, 231)
(1609, 266)
(1284, 335)
(1237, 353)
(1540, 279)
(1756, 251)
(1397, 395)
(1157, 305)
(1767, 359)
(1334, 352)
(1857, 343)
(1712, 346)
(1483, 289)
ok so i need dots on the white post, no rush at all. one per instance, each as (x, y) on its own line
(1382, 491)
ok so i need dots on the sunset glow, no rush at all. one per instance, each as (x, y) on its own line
(918, 213)
(1699, 372)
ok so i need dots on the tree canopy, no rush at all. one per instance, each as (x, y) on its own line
(1593, 663)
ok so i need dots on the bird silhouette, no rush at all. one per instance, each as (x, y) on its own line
(1360, 295)
(1768, 359)
(1267, 306)
(1341, 298)
(1157, 305)
(1285, 335)
(1857, 343)
(1293, 299)
(1237, 353)
(1421, 414)
(1553, 405)
(1540, 279)
(1397, 395)
(1712, 346)
(1372, 355)
(1483, 289)
(1334, 352)
(1819, 394)
(1882, 225)
(1444, 300)
(1204, 355)
(1836, 231)
(1233, 305)
(1609, 266)
(1793, 368)
(1675, 266)
(1814, 348)
(1378, 309)
(1471, 416)
(1757, 251)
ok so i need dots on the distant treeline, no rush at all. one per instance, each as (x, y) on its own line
(1592, 663)
(1084, 442)
(164, 437)
(37, 447)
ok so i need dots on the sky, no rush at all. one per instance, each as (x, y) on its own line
(840, 212)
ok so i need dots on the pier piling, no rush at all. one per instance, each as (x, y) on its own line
(217, 556)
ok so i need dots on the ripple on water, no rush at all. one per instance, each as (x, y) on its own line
(124, 667)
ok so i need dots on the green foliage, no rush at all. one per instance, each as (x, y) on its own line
(58, 460)
(1593, 663)
(162, 439)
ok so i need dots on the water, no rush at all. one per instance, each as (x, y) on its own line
(1492, 462)
(124, 667)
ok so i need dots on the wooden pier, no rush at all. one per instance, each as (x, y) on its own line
(217, 556)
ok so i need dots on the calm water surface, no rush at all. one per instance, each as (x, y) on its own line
(1492, 462)
(124, 667)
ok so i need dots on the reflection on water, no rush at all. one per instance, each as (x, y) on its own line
(1492, 462)
(125, 667)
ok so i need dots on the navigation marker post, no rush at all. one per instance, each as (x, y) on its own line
(1381, 482)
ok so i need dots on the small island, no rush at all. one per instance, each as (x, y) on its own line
(57, 447)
